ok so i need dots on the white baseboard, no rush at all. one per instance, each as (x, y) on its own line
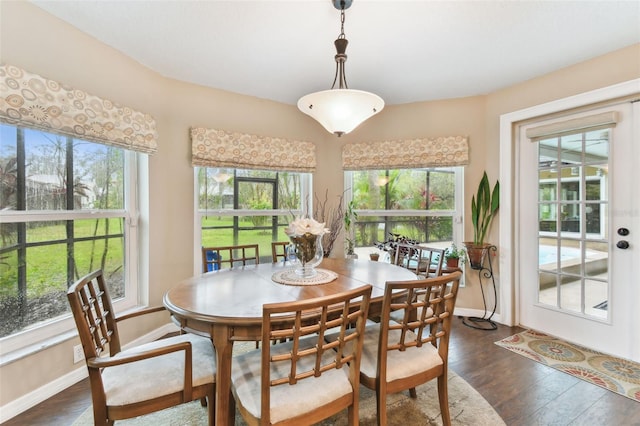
(46, 391)
(22, 404)
(466, 312)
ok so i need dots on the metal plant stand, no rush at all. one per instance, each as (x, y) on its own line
(485, 271)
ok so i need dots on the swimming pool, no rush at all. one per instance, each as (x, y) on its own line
(572, 256)
(549, 254)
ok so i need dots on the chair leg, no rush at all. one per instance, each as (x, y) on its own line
(352, 414)
(381, 401)
(232, 407)
(412, 393)
(100, 415)
(211, 405)
(443, 397)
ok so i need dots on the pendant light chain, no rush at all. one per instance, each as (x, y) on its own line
(342, 22)
(341, 56)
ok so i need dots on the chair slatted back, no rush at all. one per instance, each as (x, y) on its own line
(407, 256)
(421, 260)
(215, 258)
(279, 251)
(94, 315)
(431, 260)
(310, 319)
(428, 310)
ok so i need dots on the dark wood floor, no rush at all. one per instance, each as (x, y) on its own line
(522, 391)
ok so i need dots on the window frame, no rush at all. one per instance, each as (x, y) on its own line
(457, 214)
(306, 199)
(44, 334)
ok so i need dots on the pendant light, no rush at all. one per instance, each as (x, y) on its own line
(340, 110)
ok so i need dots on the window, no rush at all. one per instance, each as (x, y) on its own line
(572, 175)
(239, 206)
(420, 204)
(67, 207)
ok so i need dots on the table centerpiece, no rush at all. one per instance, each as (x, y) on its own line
(306, 237)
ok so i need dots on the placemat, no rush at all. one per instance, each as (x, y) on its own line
(289, 277)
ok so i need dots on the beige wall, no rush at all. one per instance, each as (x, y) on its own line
(40, 43)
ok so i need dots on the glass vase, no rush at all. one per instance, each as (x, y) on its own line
(308, 250)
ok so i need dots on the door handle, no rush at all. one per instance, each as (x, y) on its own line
(622, 244)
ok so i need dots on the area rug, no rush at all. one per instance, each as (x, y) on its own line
(466, 407)
(615, 374)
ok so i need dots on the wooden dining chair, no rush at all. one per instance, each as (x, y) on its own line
(306, 379)
(400, 355)
(407, 255)
(215, 258)
(422, 260)
(279, 251)
(431, 261)
(143, 379)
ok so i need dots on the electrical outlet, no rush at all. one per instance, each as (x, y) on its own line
(78, 354)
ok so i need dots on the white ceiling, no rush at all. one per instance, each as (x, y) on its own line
(404, 51)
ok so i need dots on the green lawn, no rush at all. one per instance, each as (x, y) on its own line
(222, 234)
(46, 265)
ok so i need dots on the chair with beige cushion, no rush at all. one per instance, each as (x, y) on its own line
(401, 355)
(142, 379)
(215, 258)
(306, 379)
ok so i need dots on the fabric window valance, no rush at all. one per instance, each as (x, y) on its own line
(221, 148)
(581, 124)
(33, 101)
(406, 153)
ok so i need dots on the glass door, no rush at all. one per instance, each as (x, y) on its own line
(576, 240)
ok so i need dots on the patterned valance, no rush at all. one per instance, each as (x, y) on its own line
(406, 153)
(30, 100)
(220, 148)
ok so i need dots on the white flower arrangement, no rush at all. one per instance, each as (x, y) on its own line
(305, 225)
(305, 233)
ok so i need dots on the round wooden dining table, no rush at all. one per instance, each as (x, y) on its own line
(227, 305)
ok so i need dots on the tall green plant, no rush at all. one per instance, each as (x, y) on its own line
(484, 206)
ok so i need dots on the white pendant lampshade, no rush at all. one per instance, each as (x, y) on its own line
(341, 110)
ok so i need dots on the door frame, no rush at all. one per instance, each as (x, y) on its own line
(509, 182)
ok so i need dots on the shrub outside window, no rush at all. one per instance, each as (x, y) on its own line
(67, 207)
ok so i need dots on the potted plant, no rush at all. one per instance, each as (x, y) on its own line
(350, 216)
(374, 255)
(454, 256)
(484, 206)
